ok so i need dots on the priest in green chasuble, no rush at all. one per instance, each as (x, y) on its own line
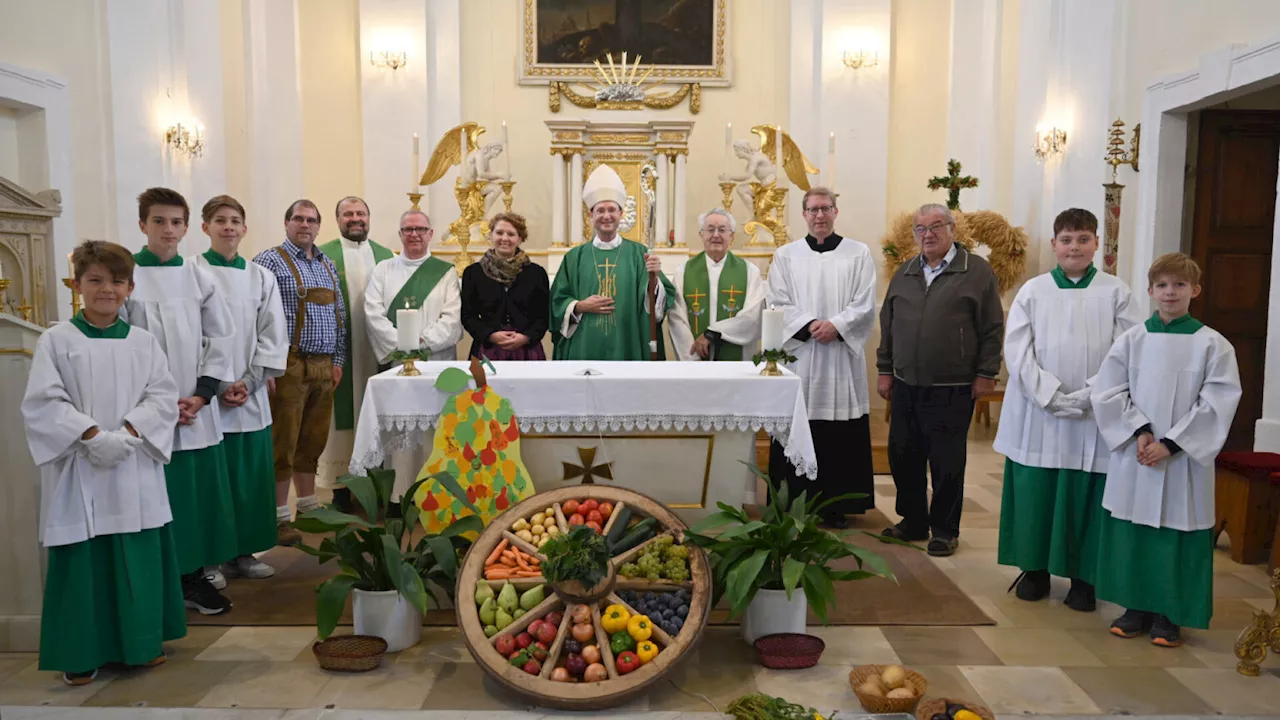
(719, 297)
(599, 299)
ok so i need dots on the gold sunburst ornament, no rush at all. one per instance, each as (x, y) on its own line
(621, 86)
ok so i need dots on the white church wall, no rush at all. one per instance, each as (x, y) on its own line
(234, 115)
(918, 102)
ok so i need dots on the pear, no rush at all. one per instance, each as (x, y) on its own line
(483, 592)
(508, 599)
(530, 599)
(503, 619)
(488, 611)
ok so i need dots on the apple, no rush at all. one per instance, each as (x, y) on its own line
(553, 619)
(539, 651)
(533, 628)
(524, 640)
(547, 634)
(505, 645)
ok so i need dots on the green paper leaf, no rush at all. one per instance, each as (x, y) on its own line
(505, 412)
(453, 380)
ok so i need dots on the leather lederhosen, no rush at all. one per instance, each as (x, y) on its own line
(313, 295)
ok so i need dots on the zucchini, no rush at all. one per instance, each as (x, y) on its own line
(619, 525)
(639, 532)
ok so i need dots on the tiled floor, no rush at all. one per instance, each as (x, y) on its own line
(1039, 658)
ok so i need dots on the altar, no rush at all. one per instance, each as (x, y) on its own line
(679, 432)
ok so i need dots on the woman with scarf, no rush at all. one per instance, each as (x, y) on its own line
(506, 297)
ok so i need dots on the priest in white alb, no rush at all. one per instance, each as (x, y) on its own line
(429, 289)
(718, 299)
(825, 286)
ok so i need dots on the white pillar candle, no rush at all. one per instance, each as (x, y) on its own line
(559, 221)
(408, 328)
(831, 163)
(771, 330)
(506, 147)
(778, 166)
(728, 146)
(416, 176)
(682, 210)
(575, 201)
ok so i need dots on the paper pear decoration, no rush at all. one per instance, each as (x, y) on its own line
(478, 442)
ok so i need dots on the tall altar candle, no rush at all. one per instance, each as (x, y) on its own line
(506, 147)
(71, 268)
(831, 162)
(728, 146)
(416, 176)
(771, 330)
(778, 166)
(408, 328)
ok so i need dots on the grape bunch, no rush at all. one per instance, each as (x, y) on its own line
(661, 560)
(667, 610)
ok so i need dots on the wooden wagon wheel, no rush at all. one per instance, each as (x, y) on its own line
(618, 688)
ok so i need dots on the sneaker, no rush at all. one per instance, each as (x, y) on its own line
(78, 679)
(943, 547)
(1032, 585)
(1081, 597)
(1164, 633)
(903, 533)
(201, 596)
(1132, 624)
(248, 566)
(285, 535)
(215, 577)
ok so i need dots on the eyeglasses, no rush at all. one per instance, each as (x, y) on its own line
(717, 231)
(304, 220)
(414, 230)
(934, 228)
(820, 210)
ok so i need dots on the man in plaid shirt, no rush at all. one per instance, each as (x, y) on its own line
(302, 398)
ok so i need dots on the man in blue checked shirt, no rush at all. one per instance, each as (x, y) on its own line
(302, 398)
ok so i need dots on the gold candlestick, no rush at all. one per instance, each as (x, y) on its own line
(727, 189)
(75, 295)
(408, 369)
(25, 309)
(771, 369)
(506, 193)
(4, 285)
(415, 198)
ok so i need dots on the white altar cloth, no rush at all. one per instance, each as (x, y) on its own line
(556, 397)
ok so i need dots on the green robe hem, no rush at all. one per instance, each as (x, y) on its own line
(111, 599)
(251, 472)
(1050, 520)
(204, 521)
(1158, 570)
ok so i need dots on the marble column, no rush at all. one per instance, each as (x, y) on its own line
(575, 200)
(682, 202)
(557, 200)
(663, 211)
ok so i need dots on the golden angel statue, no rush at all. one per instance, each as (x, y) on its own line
(478, 185)
(759, 188)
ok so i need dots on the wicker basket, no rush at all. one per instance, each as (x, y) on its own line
(882, 705)
(789, 651)
(927, 710)
(350, 653)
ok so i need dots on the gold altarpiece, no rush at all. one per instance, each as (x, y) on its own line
(26, 241)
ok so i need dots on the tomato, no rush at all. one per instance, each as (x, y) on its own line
(569, 507)
(591, 654)
(584, 632)
(576, 519)
(596, 517)
(595, 526)
(626, 662)
(588, 505)
(606, 509)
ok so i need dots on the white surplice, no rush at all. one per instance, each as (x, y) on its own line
(741, 329)
(1055, 340)
(840, 286)
(184, 309)
(260, 342)
(77, 383)
(1187, 388)
(441, 310)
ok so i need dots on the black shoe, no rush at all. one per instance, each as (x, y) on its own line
(80, 678)
(343, 500)
(1032, 585)
(1081, 597)
(1164, 633)
(837, 521)
(943, 547)
(201, 596)
(1132, 624)
(902, 532)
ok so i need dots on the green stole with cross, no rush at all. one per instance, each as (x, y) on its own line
(344, 401)
(418, 286)
(732, 285)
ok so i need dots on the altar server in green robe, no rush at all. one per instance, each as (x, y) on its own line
(719, 297)
(1164, 397)
(99, 409)
(599, 304)
(1059, 329)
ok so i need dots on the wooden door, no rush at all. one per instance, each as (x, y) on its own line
(1235, 208)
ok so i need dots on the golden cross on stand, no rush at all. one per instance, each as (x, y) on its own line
(588, 469)
(733, 292)
(695, 300)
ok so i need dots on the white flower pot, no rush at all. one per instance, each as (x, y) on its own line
(770, 612)
(386, 614)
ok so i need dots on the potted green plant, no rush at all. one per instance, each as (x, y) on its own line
(760, 564)
(577, 565)
(387, 571)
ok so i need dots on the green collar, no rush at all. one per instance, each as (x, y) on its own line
(118, 330)
(146, 258)
(217, 260)
(1185, 325)
(1065, 283)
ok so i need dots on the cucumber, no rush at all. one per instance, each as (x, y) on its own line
(639, 532)
(619, 525)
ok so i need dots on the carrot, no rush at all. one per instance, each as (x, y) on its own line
(527, 573)
(510, 552)
(520, 562)
(497, 552)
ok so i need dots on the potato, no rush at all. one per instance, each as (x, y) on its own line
(520, 524)
(538, 519)
(543, 540)
(549, 522)
(901, 693)
(549, 512)
(552, 530)
(893, 677)
(525, 535)
(871, 688)
(537, 529)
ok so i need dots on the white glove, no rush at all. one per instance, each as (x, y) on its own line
(109, 449)
(1068, 405)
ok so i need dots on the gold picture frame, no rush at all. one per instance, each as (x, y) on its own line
(535, 70)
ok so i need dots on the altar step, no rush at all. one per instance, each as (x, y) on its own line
(879, 445)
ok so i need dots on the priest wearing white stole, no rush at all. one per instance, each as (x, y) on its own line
(1164, 397)
(179, 302)
(718, 299)
(1058, 330)
(259, 353)
(826, 287)
(418, 281)
(354, 255)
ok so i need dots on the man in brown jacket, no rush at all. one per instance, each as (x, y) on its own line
(941, 327)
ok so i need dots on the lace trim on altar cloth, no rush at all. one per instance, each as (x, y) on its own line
(399, 433)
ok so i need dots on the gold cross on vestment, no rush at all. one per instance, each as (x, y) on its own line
(695, 300)
(733, 292)
(588, 470)
(606, 281)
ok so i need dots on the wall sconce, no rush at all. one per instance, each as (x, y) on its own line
(1049, 143)
(184, 140)
(861, 59)
(388, 59)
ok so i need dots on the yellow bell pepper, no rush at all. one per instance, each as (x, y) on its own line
(639, 628)
(615, 619)
(646, 651)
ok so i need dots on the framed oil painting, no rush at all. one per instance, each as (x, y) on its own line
(686, 41)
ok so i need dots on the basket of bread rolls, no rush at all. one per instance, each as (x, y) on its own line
(887, 688)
